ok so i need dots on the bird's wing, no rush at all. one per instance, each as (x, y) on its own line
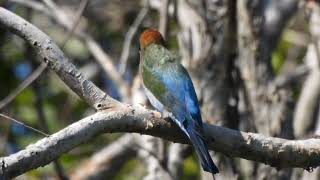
(191, 99)
(172, 86)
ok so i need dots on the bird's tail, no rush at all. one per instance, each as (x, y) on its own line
(202, 151)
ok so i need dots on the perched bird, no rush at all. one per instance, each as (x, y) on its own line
(169, 89)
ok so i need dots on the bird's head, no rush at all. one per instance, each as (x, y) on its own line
(150, 36)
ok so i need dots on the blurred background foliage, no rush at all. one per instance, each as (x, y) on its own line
(107, 22)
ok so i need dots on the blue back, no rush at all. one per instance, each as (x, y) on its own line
(180, 96)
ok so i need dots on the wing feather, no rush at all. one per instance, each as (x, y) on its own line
(174, 89)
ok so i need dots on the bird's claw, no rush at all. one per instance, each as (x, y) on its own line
(143, 105)
(157, 114)
(163, 115)
(166, 115)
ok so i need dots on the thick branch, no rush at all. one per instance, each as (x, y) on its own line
(96, 50)
(107, 161)
(273, 151)
(56, 60)
(118, 117)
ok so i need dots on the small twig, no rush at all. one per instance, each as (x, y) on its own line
(23, 85)
(108, 161)
(33, 4)
(315, 41)
(58, 14)
(150, 153)
(291, 77)
(81, 9)
(163, 24)
(107, 65)
(150, 148)
(313, 27)
(129, 36)
(96, 50)
(307, 105)
(176, 155)
(29, 127)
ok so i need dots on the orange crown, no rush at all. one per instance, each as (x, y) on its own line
(150, 36)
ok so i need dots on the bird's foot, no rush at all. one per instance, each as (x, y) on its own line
(157, 114)
(163, 115)
(167, 115)
(143, 105)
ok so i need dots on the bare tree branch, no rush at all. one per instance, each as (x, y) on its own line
(307, 105)
(276, 152)
(117, 117)
(260, 24)
(177, 154)
(158, 4)
(96, 50)
(107, 161)
(106, 62)
(34, 5)
(290, 78)
(129, 36)
(56, 60)
(272, 112)
(81, 8)
(24, 125)
(35, 74)
(164, 16)
(150, 151)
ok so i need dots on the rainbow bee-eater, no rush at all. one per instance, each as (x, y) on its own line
(169, 89)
